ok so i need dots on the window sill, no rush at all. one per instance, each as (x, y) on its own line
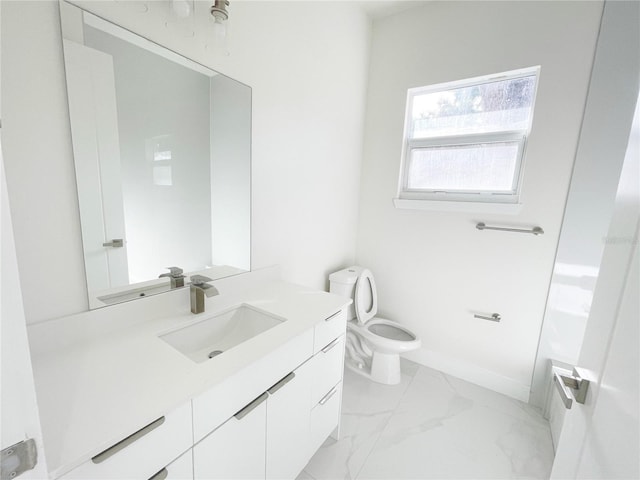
(450, 206)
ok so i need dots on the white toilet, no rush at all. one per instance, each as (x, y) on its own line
(373, 344)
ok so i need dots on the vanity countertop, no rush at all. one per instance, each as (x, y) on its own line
(99, 385)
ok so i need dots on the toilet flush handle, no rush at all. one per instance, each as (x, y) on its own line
(495, 317)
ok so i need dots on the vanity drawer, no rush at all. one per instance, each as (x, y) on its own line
(213, 407)
(237, 449)
(180, 469)
(325, 417)
(327, 368)
(333, 326)
(144, 453)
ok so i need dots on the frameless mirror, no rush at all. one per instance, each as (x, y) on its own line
(162, 150)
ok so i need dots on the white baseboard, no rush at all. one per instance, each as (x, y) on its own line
(470, 373)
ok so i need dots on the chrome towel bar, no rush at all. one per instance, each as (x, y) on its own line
(534, 230)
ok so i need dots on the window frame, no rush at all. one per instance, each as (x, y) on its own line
(518, 136)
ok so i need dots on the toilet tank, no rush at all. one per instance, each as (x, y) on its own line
(343, 283)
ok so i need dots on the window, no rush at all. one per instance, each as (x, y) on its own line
(465, 140)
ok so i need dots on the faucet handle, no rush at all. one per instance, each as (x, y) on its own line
(173, 272)
(200, 279)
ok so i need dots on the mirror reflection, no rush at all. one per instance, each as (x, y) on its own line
(162, 155)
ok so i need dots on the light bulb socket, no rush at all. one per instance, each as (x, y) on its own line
(219, 10)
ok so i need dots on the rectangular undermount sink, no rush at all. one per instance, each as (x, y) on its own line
(215, 335)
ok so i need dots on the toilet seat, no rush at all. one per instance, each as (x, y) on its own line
(385, 335)
(391, 332)
(365, 286)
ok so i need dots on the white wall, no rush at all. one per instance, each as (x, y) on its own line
(434, 269)
(307, 66)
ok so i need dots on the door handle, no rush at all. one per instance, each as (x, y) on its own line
(115, 243)
(571, 387)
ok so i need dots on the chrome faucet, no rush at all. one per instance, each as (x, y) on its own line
(200, 288)
(176, 277)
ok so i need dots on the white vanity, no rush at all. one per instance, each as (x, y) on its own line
(117, 400)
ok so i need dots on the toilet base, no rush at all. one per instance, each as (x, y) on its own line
(384, 368)
(360, 368)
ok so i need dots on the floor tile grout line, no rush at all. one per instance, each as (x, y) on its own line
(393, 412)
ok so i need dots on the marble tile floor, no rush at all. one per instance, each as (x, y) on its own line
(432, 426)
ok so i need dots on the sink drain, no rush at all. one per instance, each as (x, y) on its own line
(215, 353)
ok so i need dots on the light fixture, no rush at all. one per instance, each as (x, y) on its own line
(220, 17)
(219, 11)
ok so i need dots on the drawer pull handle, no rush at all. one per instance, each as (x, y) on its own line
(331, 316)
(161, 475)
(122, 444)
(326, 398)
(249, 408)
(331, 345)
(281, 383)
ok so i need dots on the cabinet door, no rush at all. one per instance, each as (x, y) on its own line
(325, 417)
(288, 410)
(180, 469)
(143, 453)
(236, 450)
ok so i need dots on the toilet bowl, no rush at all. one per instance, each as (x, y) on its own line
(373, 344)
